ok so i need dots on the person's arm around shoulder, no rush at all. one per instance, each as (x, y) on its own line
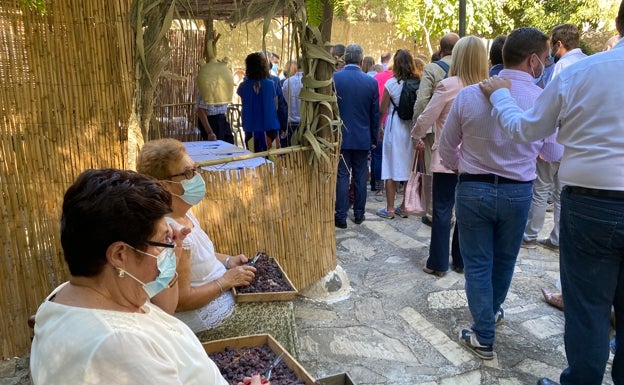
(540, 121)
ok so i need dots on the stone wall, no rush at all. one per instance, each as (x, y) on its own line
(375, 38)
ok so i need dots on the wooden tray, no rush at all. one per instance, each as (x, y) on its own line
(258, 340)
(337, 379)
(272, 296)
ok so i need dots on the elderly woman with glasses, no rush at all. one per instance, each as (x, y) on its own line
(206, 303)
(100, 326)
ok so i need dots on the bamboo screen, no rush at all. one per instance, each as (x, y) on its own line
(285, 209)
(66, 95)
(174, 104)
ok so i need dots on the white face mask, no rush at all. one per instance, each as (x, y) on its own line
(166, 261)
(194, 190)
(538, 79)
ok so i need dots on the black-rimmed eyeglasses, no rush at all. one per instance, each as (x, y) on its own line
(160, 244)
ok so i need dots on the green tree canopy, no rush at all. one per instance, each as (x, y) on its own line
(425, 21)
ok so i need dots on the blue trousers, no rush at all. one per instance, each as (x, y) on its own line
(443, 203)
(491, 219)
(376, 155)
(592, 278)
(353, 162)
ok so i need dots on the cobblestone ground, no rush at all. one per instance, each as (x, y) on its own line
(399, 325)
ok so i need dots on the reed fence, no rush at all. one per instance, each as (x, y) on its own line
(67, 98)
(284, 208)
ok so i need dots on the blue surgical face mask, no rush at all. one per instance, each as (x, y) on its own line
(538, 79)
(166, 262)
(194, 190)
(275, 67)
(551, 59)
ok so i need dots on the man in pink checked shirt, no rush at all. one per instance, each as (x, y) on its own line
(495, 185)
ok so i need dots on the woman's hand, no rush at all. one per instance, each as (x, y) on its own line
(237, 260)
(254, 380)
(238, 276)
(419, 145)
(178, 236)
(178, 233)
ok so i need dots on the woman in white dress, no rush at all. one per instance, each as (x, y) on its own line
(398, 153)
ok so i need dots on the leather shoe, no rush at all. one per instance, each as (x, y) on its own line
(554, 299)
(359, 219)
(426, 221)
(437, 273)
(340, 224)
(546, 381)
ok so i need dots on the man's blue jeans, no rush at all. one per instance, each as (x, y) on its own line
(592, 279)
(355, 161)
(491, 219)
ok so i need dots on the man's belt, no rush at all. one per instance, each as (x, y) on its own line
(489, 178)
(594, 192)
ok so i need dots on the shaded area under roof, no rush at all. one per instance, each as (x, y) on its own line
(235, 11)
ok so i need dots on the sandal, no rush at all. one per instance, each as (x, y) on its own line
(385, 214)
(400, 212)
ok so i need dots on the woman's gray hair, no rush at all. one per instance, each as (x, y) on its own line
(353, 54)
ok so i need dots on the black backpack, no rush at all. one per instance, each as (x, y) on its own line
(405, 109)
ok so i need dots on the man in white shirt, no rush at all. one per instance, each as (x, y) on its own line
(564, 43)
(584, 102)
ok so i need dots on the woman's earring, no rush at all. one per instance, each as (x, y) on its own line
(121, 273)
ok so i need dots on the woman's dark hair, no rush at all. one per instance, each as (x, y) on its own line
(104, 206)
(496, 50)
(404, 66)
(522, 43)
(256, 66)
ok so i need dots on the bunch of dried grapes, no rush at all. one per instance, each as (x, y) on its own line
(269, 278)
(237, 363)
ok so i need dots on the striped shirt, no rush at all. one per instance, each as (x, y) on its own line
(472, 141)
(585, 102)
(211, 109)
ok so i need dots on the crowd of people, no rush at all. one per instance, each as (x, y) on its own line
(543, 130)
(146, 280)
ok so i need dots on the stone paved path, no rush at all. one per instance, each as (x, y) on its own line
(399, 325)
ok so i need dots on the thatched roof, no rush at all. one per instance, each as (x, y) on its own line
(236, 11)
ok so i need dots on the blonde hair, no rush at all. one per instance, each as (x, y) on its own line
(157, 156)
(470, 60)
